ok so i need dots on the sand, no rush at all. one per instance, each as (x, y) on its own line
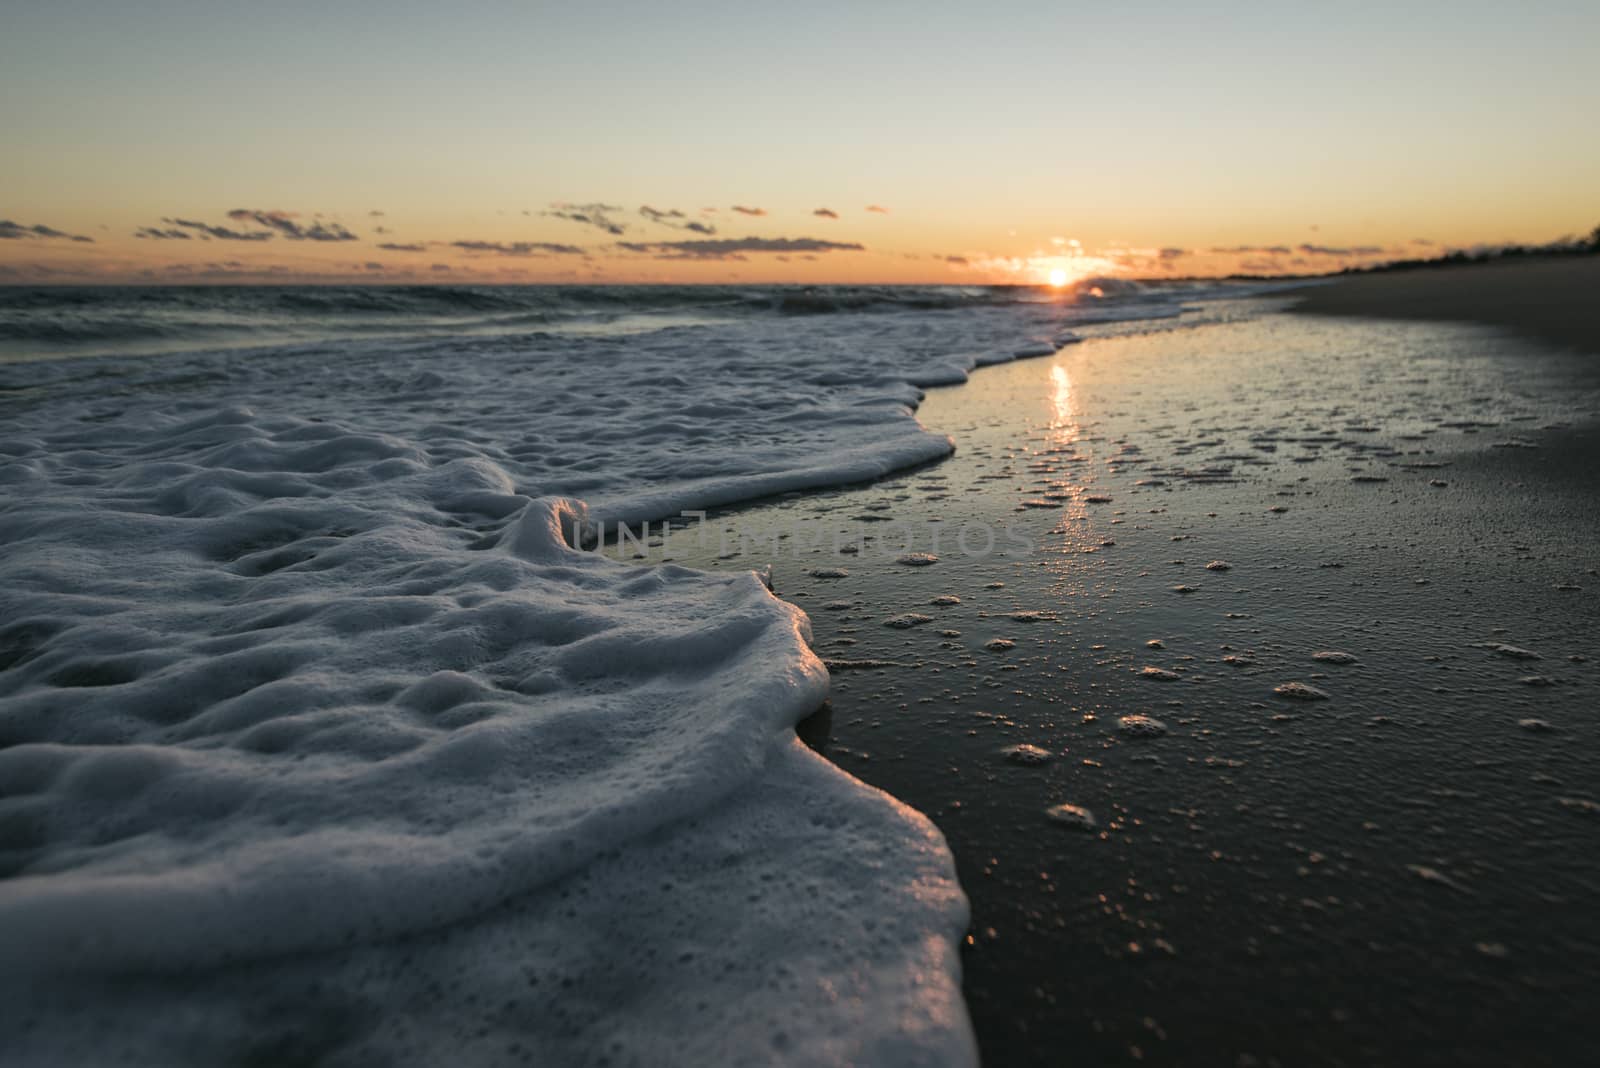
(1401, 873)
(1554, 300)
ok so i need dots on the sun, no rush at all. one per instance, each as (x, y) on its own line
(1058, 277)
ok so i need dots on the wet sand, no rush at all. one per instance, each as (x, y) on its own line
(1553, 300)
(1186, 523)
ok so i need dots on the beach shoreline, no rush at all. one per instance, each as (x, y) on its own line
(1268, 878)
(1549, 299)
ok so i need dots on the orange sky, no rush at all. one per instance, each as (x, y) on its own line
(534, 142)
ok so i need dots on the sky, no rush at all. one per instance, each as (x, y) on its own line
(783, 142)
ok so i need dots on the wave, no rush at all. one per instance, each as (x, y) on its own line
(46, 322)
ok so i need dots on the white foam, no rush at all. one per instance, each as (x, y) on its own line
(277, 686)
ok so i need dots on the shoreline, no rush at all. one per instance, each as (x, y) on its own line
(1550, 300)
(1242, 858)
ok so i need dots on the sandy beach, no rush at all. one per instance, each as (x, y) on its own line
(1553, 299)
(1347, 571)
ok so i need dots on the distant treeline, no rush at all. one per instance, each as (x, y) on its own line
(1572, 246)
(1585, 246)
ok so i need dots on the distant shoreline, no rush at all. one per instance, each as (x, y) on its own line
(1552, 300)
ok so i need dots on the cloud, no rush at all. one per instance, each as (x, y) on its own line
(1173, 253)
(283, 222)
(959, 261)
(743, 210)
(877, 209)
(440, 268)
(826, 213)
(13, 231)
(677, 220)
(519, 248)
(1357, 250)
(155, 233)
(1247, 250)
(596, 215)
(390, 246)
(376, 214)
(221, 233)
(734, 248)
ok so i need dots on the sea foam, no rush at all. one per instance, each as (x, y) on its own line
(320, 736)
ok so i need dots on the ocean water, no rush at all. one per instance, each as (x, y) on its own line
(315, 707)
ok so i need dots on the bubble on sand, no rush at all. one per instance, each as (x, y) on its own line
(1075, 816)
(828, 573)
(1186, 589)
(1158, 673)
(1219, 565)
(1027, 755)
(1437, 483)
(1141, 726)
(1278, 508)
(999, 645)
(1537, 726)
(838, 606)
(908, 619)
(1513, 652)
(1097, 500)
(917, 559)
(1580, 804)
(1300, 691)
(945, 599)
(1331, 656)
(995, 586)
(1434, 875)
(1537, 680)
(1039, 503)
(1155, 643)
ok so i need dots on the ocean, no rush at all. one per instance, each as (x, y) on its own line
(358, 706)
(304, 654)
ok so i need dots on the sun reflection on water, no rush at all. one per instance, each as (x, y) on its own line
(1063, 397)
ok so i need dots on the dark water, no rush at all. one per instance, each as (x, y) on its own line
(57, 321)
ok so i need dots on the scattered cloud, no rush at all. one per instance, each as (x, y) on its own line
(1173, 253)
(283, 223)
(825, 213)
(677, 220)
(1249, 250)
(391, 246)
(518, 248)
(13, 231)
(221, 233)
(958, 261)
(735, 248)
(376, 214)
(877, 209)
(155, 233)
(743, 210)
(597, 215)
(1356, 250)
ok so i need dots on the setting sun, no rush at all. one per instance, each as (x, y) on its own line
(1058, 277)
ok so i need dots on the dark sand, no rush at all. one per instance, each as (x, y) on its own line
(1403, 873)
(1555, 300)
